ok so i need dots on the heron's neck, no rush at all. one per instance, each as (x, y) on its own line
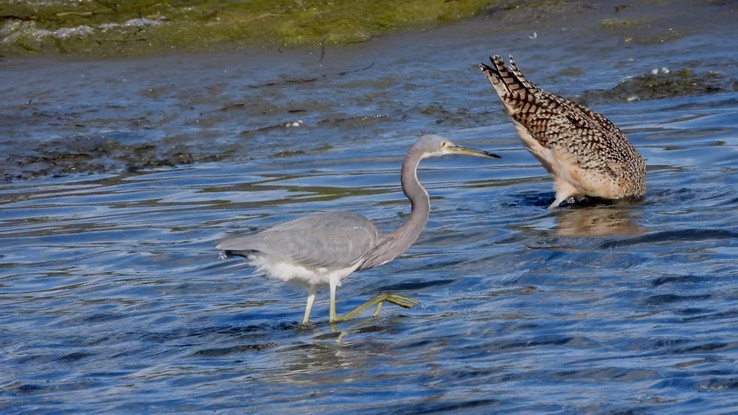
(393, 244)
(409, 232)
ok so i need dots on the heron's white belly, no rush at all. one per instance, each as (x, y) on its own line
(295, 273)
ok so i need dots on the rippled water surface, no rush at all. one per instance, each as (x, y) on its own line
(113, 298)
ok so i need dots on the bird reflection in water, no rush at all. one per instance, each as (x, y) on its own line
(598, 221)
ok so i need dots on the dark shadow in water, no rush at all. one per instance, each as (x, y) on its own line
(315, 338)
(541, 200)
(227, 340)
(671, 236)
(679, 279)
(443, 407)
(418, 285)
(236, 349)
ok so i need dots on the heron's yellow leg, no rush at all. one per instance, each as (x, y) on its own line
(309, 305)
(379, 308)
(332, 306)
(399, 300)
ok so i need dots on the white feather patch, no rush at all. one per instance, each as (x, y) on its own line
(295, 273)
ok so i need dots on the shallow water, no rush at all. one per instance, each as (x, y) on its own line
(114, 299)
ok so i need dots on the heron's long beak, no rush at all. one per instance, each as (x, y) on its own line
(454, 149)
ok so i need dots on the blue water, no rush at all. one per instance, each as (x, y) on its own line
(114, 301)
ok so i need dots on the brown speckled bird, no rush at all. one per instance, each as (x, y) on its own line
(583, 151)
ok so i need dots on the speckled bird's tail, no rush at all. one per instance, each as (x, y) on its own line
(506, 80)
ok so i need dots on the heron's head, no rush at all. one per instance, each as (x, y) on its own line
(433, 145)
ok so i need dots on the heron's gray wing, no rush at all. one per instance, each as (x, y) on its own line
(329, 240)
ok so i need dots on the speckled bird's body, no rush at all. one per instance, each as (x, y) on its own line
(582, 150)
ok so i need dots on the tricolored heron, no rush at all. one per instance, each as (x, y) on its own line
(325, 248)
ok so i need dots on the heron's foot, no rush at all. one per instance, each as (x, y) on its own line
(396, 299)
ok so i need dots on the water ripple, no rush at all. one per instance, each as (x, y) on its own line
(114, 299)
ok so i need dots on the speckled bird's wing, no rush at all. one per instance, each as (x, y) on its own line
(330, 240)
(537, 110)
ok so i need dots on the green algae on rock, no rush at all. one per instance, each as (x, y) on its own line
(662, 83)
(107, 28)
